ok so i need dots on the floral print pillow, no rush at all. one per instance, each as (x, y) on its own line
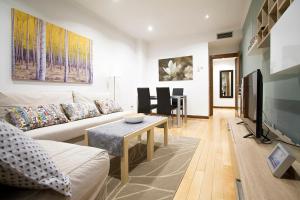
(77, 111)
(107, 106)
(53, 114)
(28, 117)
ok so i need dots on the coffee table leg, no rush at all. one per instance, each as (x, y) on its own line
(124, 163)
(150, 144)
(139, 138)
(185, 109)
(166, 130)
(178, 112)
(86, 138)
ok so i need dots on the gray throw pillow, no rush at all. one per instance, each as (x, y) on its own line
(24, 163)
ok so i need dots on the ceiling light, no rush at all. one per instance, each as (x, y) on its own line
(150, 28)
(207, 16)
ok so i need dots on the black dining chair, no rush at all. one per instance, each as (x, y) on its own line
(164, 106)
(178, 92)
(144, 102)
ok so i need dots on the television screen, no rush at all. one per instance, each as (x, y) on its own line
(252, 100)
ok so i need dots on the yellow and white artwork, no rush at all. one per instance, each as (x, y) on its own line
(45, 52)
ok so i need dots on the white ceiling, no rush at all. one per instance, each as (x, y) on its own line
(170, 18)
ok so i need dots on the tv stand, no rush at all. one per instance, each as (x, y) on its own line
(248, 135)
(250, 166)
(266, 140)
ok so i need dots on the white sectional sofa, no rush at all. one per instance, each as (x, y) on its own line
(87, 167)
(71, 132)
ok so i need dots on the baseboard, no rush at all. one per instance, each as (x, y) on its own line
(198, 116)
(225, 107)
(189, 116)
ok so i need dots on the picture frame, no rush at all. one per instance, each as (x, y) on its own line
(226, 89)
(280, 160)
(45, 52)
(176, 68)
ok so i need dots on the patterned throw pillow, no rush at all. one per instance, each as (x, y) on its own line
(25, 118)
(24, 163)
(107, 106)
(53, 114)
(77, 111)
(28, 118)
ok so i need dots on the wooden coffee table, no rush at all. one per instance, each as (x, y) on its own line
(114, 137)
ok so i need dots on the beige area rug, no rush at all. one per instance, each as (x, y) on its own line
(158, 179)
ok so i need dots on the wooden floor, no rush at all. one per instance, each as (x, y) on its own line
(210, 174)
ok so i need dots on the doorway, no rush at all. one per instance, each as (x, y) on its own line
(225, 88)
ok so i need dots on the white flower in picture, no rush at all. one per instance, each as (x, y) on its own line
(188, 72)
(172, 69)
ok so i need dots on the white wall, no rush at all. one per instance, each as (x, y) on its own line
(217, 48)
(219, 65)
(228, 45)
(112, 50)
(197, 89)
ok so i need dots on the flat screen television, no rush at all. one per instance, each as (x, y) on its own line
(253, 103)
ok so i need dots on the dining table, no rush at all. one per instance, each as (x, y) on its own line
(178, 98)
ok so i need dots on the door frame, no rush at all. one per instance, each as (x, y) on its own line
(211, 82)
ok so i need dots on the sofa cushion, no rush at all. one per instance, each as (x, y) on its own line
(68, 131)
(87, 168)
(24, 163)
(107, 106)
(32, 98)
(31, 117)
(77, 111)
(88, 96)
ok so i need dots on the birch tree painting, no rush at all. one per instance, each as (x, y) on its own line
(45, 52)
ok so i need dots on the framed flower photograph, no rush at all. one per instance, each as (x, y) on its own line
(176, 69)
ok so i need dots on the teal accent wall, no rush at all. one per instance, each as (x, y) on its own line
(281, 92)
